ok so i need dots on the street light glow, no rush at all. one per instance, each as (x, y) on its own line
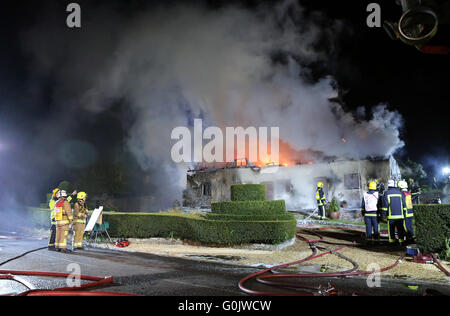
(446, 170)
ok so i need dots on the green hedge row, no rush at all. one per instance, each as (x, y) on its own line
(193, 227)
(249, 207)
(248, 192)
(432, 227)
(233, 217)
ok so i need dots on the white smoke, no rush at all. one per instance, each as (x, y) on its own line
(175, 63)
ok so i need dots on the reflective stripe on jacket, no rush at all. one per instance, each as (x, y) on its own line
(409, 205)
(63, 213)
(79, 212)
(394, 204)
(51, 206)
(320, 197)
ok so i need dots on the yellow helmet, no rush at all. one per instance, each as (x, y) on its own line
(54, 192)
(81, 195)
(320, 184)
(372, 185)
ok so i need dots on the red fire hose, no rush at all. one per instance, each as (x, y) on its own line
(64, 291)
(268, 279)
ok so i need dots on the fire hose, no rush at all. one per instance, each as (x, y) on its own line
(80, 290)
(274, 278)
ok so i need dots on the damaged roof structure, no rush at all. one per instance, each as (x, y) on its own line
(296, 184)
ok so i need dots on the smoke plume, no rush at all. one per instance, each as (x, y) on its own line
(230, 66)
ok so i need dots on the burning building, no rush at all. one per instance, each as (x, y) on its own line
(296, 184)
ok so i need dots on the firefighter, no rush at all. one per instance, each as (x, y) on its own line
(321, 201)
(51, 205)
(409, 214)
(369, 209)
(415, 191)
(380, 190)
(79, 220)
(63, 217)
(394, 206)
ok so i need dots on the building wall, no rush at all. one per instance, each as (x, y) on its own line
(345, 180)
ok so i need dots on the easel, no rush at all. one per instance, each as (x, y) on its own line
(96, 226)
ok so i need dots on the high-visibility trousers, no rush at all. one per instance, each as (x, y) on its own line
(321, 211)
(78, 229)
(52, 238)
(408, 226)
(61, 236)
(396, 225)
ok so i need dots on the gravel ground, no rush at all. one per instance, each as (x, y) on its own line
(257, 255)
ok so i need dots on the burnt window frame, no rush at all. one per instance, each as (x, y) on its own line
(206, 189)
(352, 181)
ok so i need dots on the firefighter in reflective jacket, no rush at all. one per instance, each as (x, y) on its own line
(394, 206)
(63, 217)
(321, 201)
(409, 214)
(369, 209)
(79, 220)
(51, 205)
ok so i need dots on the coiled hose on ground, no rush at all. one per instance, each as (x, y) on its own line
(277, 279)
(64, 291)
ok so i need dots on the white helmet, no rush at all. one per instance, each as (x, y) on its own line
(391, 183)
(403, 185)
(61, 193)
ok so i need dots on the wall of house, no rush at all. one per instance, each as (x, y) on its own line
(345, 180)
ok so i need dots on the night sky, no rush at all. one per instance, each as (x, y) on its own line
(368, 66)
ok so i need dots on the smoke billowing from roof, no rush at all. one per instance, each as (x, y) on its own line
(230, 66)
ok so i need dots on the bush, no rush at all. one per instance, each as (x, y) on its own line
(233, 217)
(334, 205)
(193, 227)
(247, 219)
(248, 192)
(432, 227)
(249, 207)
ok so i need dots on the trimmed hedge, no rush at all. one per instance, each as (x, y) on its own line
(233, 217)
(248, 192)
(249, 207)
(193, 227)
(432, 227)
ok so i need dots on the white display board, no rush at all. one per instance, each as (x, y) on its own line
(94, 217)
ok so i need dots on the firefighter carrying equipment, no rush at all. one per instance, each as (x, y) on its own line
(63, 217)
(79, 223)
(321, 201)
